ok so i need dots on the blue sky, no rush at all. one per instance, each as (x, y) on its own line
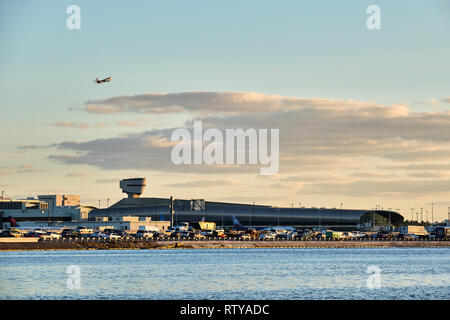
(307, 49)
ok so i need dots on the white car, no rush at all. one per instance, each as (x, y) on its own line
(84, 230)
(113, 236)
(268, 236)
(97, 234)
(144, 234)
(51, 235)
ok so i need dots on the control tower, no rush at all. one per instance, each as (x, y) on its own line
(133, 187)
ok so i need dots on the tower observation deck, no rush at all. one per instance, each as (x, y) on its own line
(133, 187)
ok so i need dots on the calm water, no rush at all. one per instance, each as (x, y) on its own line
(406, 273)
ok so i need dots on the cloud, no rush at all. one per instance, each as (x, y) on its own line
(428, 174)
(107, 181)
(80, 174)
(230, 103)
(80, 125)
(24, 168)
(206, 183)
(321, 140)
(381, 188)
(417, 167)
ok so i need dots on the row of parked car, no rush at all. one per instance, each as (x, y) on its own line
(39, 233)
(84, 232)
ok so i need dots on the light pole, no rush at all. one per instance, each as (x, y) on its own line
(320, 219)
(172, 211)
(373, 224)
(432, 213)
(278, 215)
(292, 213)
(389, 218)
(253, 213)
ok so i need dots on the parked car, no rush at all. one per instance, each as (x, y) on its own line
(115, 236)
(360, 235)
(347, 235)
(84, 230)
(287, 235)
(69, 233)
(198, 235)
(245, 237)
(16, 233)
(161, 235)
(267, 236)
(52, 235)
(185, 234)
(175, 234)
(144, 234)
(319, 235)
(410, 236)
(5, 234)
(97, 234)
(34, 233)
(218, 232)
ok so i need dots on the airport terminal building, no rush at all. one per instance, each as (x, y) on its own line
(67, 210)
(248, 214)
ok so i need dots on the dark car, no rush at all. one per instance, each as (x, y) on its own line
(69, 233)
(5, 233)
(36, 234)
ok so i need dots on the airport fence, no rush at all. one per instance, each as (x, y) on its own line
(233, 239)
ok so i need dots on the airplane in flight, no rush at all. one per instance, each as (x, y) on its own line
(103, 80)
(239, 227)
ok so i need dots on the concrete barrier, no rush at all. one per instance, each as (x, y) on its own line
(19, 240)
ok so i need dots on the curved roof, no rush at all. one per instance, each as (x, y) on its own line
(248, 214)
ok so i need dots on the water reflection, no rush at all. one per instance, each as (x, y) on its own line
(323, 273)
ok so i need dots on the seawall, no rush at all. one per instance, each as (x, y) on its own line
(86, 245)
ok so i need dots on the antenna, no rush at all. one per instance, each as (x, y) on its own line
(432, 213)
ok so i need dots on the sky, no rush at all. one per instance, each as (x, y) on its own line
(364, 115)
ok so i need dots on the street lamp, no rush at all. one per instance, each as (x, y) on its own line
(320, 219)
(389, 218)
(253, 212)
(292, 213)
(432, 213)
